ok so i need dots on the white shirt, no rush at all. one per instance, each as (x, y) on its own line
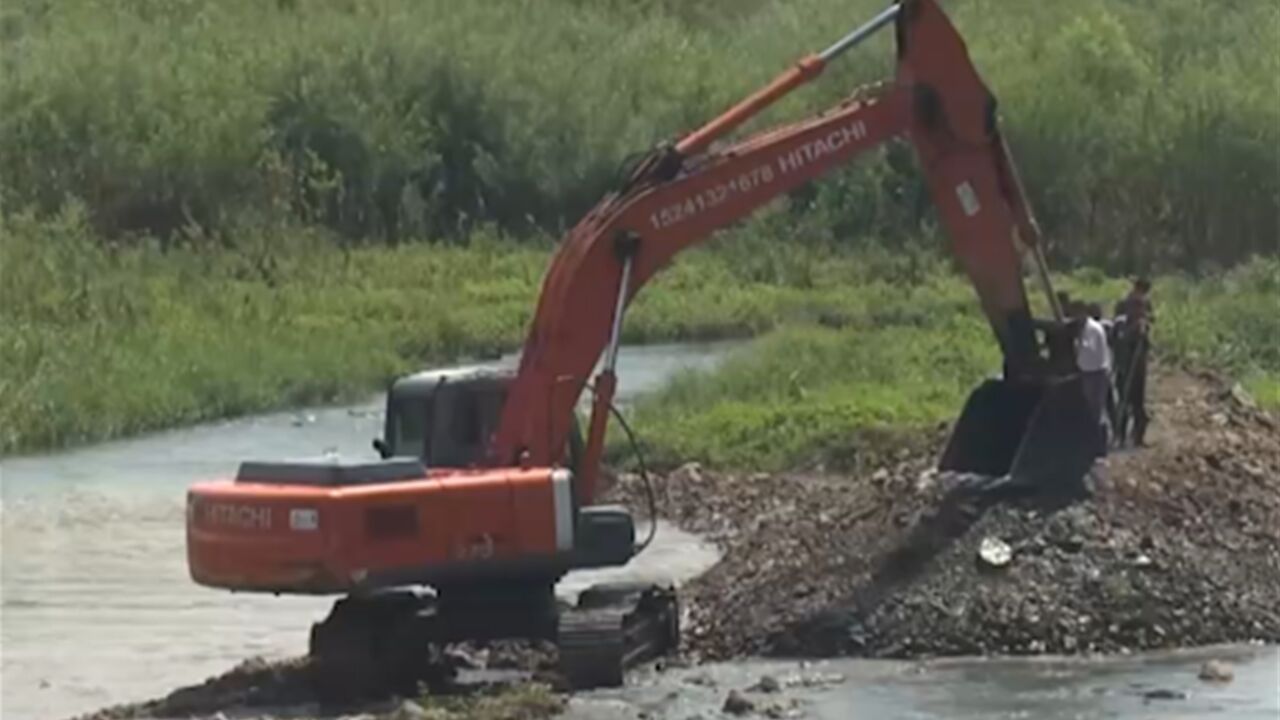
(1092, 353)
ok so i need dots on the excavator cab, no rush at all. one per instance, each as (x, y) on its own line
(443, 417)
(446, 418)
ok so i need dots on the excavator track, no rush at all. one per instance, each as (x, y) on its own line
(389, 641)
(613, 628)
(375, 645)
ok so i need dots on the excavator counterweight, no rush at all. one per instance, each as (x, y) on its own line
(486, 492)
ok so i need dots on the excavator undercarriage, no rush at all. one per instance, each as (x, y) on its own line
(391, 640)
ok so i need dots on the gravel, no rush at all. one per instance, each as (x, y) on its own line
(1178, 545)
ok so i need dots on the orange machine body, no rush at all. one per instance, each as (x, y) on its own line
(316, 539)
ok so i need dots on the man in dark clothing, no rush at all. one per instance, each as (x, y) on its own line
(1134, 317)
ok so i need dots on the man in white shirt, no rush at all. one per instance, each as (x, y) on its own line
(1093, 357)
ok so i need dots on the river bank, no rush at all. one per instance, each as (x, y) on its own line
(1150, 686)
(1178, 545)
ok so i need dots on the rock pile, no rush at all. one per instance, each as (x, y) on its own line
(1178, 545)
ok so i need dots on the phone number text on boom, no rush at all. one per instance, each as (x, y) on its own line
(711, 197)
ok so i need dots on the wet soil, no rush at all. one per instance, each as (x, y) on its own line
(1177, 545)
(260, 689)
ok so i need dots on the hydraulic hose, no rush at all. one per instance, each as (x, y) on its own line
(644, 475)
(650, 496)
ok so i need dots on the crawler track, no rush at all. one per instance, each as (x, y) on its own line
(374, 645)
(613, 628)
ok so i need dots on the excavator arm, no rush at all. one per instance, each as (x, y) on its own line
(681, 194)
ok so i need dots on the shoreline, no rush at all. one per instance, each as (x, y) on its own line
(1176, 547)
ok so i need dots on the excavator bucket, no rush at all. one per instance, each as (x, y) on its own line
(1042, 437)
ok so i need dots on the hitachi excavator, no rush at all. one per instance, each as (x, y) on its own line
(485, 496)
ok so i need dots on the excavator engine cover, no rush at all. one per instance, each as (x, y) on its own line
(1042, 436)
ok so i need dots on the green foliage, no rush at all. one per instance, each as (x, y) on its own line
(1229, 320)
(807, 393)
(1147, 131)
(100, 340)
(907, 358)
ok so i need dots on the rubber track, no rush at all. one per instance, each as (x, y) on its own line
(592, 652)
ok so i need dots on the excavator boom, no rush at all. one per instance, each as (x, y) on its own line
(681, 194)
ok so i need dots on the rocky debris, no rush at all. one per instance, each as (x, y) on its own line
(766, 684)
(534, 656)
(410, 710)
(1177, 546)
(816, 680)
(994, 553)
(738, 704)
(260, 688)
(1164, 694)
(701, 679)
(1216, 671)
(780, 711)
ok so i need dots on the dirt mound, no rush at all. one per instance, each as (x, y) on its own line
(264, 689)
(254, 683)
(1178, 545)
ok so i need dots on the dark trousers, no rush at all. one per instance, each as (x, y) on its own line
(1131, 386)
(1138, 400)
(1097, 384)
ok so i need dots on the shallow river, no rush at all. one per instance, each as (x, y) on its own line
(96, 607)
(1152, 686)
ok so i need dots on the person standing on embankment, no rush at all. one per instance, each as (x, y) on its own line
(1093, 358)
(1134, 315)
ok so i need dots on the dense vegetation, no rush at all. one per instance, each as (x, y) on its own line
(210, 207)
(1146, 129)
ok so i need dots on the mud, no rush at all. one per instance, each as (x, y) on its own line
(1178, 545)
(287, 689)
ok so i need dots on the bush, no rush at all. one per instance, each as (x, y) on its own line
(1147, 132)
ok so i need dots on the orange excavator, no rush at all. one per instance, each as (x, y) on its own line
(485, 495)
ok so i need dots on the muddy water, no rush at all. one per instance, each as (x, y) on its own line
(97, 607)
(1154, 686)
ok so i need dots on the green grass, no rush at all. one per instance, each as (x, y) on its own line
(907, 361)
(102, 341)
